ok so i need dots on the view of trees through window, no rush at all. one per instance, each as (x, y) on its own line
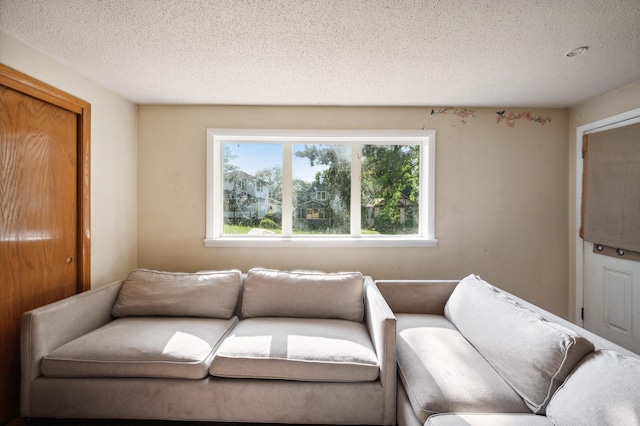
(321, 189)
(322, 199)
(390, 189)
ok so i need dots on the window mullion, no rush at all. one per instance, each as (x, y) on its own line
(356, 156)
(287, 189)
(428, 185)
(215, 197)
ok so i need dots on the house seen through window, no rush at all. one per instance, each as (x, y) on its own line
(330, 186)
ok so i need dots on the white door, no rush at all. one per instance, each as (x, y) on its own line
(612, 297)
(610, 283)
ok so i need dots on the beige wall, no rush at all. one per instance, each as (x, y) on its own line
(113, 159)
(501, 197)
(501, 212)
(607, 105)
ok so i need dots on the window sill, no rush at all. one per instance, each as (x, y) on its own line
(332, 242)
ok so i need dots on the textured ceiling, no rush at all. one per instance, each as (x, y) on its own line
(339, 52)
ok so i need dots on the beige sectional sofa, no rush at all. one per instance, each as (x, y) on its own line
(311, 348)
(471, 354)
(266, 347)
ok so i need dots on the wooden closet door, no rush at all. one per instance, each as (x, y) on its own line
(38, 220)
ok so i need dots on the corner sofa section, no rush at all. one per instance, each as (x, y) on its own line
(266, 347)
(471, 354)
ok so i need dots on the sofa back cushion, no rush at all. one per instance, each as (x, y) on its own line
(532, 354)
(303, 294)
(211, 294)
(603, 390)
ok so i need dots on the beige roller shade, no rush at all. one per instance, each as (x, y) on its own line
(611, 188)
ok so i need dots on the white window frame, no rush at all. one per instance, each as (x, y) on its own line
(355, 138)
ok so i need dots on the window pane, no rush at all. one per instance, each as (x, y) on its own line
(252, 188)
(390, 189)
(321, 188)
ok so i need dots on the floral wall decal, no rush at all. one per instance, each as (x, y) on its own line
(511, 117)
(463, 113)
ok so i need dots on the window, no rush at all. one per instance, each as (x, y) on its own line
(315, 214)
(274, 188)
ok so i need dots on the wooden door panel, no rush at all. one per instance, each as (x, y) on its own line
(38, 218)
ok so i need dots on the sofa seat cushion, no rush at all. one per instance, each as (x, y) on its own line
(443, 373)
(141, 347)
(603, 390)
(484, 419)
(532, 354)
(304, 349)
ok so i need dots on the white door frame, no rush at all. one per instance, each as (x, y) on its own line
(619, 120)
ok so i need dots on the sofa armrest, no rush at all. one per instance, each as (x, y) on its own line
(417, 296)
(381, 324)
(51, 326)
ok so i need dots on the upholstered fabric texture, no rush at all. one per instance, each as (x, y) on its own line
(405, 415)
(532, 354)
(141, 347)
(303, 349)
(417, 296)
(488, 420)
(210, 399)
(442, 372)
(212, 294)
(603, 390)
(227, 402)
(270, 293)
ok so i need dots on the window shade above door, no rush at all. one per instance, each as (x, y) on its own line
(611, 188)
